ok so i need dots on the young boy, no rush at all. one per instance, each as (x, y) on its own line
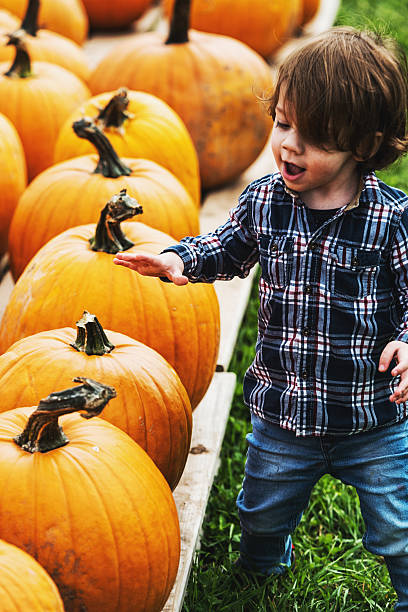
(332, 243)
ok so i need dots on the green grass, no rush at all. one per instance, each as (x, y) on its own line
(334, 573)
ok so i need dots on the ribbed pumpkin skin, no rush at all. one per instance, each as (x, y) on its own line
(151, 406)
(70, 194)
(8, 21)
(66, 276)
(263, 25)
(153, 131)
(67, 17)
(13, 176)
(24, 584)
(212, 82)
(38, 106)
(110, 15)
(48, 46)
(96, 514)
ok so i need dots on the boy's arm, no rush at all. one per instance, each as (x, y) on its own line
(398, 348)
(231, 250)
(167, 265)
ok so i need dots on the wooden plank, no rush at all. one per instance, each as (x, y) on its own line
(191, 494)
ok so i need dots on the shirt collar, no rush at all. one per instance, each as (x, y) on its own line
(368, 190)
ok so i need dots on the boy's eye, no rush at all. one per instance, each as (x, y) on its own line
(282, 125)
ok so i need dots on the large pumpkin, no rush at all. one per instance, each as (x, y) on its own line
(109, 15)
(88, 504)
(213, 82)
(264, 25)
(74, 271)
(67, 17)
(24, 584)
(74, 192)
(152, 406)
(37, 98)
(13, 176)
(137, 125)
(45, 45)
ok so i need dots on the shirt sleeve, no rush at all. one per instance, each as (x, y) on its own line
(230, 250)
(399, 263)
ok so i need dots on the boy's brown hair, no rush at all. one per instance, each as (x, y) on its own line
(348, 90)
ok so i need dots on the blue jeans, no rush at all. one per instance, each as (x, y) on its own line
(281, 470)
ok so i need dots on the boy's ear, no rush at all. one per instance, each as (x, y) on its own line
(369, 147)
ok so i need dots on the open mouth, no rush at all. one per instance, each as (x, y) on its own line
(292, 169)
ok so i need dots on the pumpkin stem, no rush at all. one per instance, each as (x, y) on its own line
(109, 236)
(21, 67)
(109, 164)
(91, 338)
(43, 433)
(30, 20)
(114, 113)
(180, 23)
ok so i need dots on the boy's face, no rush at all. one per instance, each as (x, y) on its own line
(324, 179)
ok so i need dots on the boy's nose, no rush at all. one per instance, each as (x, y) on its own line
(292, 142)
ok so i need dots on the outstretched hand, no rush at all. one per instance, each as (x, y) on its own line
(399, 350)
(166, 264)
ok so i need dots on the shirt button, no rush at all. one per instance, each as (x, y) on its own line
(308, 289)
(354, 261)
(274, 247)
(312, 246)
(306, 331)
(304, 374)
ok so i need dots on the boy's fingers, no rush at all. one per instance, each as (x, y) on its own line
(386, 356)
(178, 280)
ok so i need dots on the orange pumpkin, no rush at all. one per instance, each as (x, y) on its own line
(24, 584)
(109, 15)
(137, 125)
(67, 17)
(152, 406)
(310, 9)
(13, 176)
(45, 45)
(87, 503)
(73, 193)
(211, 81)
(8, 21)
(74, 271)
(263, 26)
(37, 98)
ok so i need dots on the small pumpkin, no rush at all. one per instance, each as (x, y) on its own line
(152, 406)
(13, 176)
(45, 45)
(74, 271)
(73, 192)
(108, 15)
(140, 125)
(24, 584)
(37, 98)
(213, 83)
(262, 25)
(67, 17)
(87, 503)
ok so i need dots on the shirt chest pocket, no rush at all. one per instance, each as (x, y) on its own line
(354, 272)
(275, 258)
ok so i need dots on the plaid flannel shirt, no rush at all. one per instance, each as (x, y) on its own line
(330, 300)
